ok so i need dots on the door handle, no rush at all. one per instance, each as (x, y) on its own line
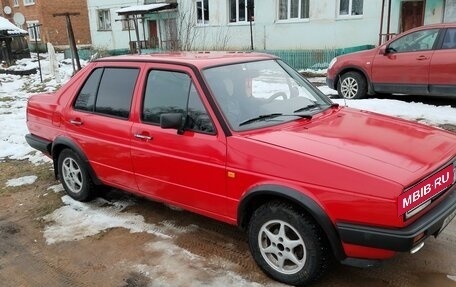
(422, 58)
(143, 137)
(76, 122)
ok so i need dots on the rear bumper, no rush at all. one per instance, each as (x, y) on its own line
(403, 239)
(40, 144)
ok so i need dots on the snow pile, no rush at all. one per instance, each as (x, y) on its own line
(25, 180)
(424, 113)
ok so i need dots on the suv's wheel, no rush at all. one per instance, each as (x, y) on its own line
(352, 85)
(287, 245)
(74, 177)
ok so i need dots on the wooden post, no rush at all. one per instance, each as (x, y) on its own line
(73, 47)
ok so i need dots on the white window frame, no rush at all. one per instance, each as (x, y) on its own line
(30, 30)
(15, 3)
(288, 18)
(128, 24)
(29, 2)
(104, 26)
(237, 21)
(349, 15)
(203, 21)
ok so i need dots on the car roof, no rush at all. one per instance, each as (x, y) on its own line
(430, 26)
(200, 60)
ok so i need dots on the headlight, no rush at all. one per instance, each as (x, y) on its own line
(333, 61)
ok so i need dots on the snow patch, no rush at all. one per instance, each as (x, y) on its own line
(78, 220)
(56, 188)
(25, 180)
(425, 113)
(184, 268)
(452, 277)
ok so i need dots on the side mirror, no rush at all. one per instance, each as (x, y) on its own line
(382, 51)
(171, 121)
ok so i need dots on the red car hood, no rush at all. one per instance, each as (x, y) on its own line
(384, 146)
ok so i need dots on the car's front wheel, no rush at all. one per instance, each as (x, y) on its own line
(287, 245)
(74, 176)
(352, 85)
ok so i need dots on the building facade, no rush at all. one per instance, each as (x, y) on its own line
(48, 28)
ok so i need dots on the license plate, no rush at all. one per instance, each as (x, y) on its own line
(425, 190)
(447, 221)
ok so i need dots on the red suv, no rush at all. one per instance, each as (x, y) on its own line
(421, 61)
(245, 139)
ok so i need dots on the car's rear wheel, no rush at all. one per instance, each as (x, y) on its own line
(74, 176)
(352, 85)
(287, 245)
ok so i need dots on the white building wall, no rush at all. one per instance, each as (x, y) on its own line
(322, 30)
(116, 38)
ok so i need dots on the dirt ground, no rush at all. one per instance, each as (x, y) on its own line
(196, 251)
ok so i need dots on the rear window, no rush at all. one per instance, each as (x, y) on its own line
(108, 91)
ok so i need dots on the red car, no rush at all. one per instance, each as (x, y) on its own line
(421, 61)
(245, 139)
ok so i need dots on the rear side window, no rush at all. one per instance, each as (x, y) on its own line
(449, 41)
(108, 91)
(86, 98)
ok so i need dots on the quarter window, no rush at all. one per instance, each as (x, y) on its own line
(350, 7)
(173, 92)
(202, 11)
(293, 9)
(416, 41)
(108, 91)
(240, 10)
(104, 20)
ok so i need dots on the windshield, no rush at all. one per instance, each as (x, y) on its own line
(263, 93)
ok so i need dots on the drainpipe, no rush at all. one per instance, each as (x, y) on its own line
(381, 23)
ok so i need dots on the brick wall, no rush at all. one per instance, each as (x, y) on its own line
(54, 29)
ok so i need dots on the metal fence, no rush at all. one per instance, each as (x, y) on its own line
(313, 59)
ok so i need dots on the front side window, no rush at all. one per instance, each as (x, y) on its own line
(174, 92)
(108, 91)
(202, 11)
(263, 93)
(350, 7)
(449, 41)
(104, 20)
(34, 30)
(241, 10)
(293, 9)
(416, 41)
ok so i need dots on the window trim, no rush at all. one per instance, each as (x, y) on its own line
(38, 30)
(349, 15)
(237, 22)
(203, 22)
(29, 2)
(200, 97)
(289, 19)
(93, 111)
(101, 29)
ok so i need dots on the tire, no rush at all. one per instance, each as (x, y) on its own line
(74, 176)
(352, 85)
(298, 256)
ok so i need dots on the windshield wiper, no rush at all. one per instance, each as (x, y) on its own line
(260, 118)
(271, 116)
(307, 108)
